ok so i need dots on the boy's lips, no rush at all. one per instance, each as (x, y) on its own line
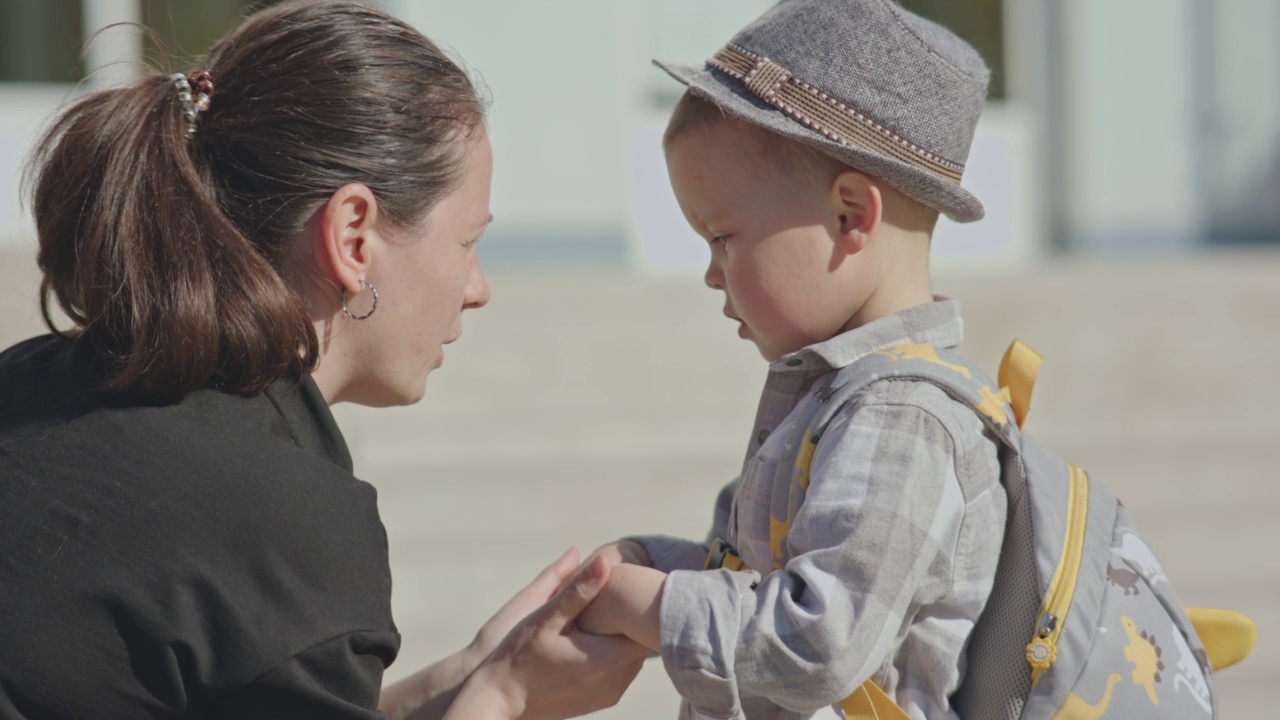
(742, 325)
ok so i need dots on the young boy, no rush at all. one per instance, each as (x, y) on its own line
(814, 153)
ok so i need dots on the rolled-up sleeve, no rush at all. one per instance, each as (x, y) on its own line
(875, 539)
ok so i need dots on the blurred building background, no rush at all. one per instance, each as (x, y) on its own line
(1129, 160)
(1114, 125)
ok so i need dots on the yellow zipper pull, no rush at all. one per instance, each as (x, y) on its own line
(1042, 651)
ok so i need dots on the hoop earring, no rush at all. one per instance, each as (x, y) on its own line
(347, 311)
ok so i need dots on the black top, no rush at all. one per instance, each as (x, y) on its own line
(213, 558)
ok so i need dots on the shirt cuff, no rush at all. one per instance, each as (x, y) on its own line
(700, 618)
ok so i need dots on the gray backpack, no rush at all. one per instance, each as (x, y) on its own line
(1081, 622)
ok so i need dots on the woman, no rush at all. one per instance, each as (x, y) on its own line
(239, 248)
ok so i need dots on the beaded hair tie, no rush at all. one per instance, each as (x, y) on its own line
(194, 91)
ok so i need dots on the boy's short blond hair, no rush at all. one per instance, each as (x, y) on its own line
(792, 159)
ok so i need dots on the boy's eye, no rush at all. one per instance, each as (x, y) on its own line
(719, 239)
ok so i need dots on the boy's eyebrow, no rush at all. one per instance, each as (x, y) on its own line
(704, 224)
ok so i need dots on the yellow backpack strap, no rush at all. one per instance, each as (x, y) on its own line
(1017, 379)
(722, 555)
(869, 702)
(1227, 635)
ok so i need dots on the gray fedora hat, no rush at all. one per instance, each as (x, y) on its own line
(874, 86)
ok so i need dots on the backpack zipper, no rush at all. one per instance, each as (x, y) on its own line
(1042, 651)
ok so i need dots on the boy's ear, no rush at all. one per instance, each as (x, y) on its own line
(858, 206)
(347, 225)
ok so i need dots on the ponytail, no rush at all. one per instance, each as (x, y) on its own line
(139, 256)
(165, 249)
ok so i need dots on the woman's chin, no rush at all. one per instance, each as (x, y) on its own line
(406, 393)
(412, 392)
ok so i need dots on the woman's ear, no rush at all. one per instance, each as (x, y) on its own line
(857, 206)
(347, 226)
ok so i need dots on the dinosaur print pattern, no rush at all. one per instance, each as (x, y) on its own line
(1144, 653)
(927, 353)
(1189, 674)
(1203, 658)
(1075, 708)
(778, 530)
(1123, 578)
(991, 403)
(1138, 556)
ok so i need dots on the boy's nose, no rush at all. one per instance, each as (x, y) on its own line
(713, 277)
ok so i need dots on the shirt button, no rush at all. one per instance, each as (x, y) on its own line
(794, 362)
(762, 436)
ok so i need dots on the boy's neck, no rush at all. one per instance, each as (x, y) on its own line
(878, 306)
(904, 283)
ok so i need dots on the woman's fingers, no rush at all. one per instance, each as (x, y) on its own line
(546, 669)
(626, 551)
(615, 663)
(529, 599)
(554, 576)
(565, 606)
(609, 652)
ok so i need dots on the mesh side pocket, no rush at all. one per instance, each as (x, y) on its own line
(998, 679)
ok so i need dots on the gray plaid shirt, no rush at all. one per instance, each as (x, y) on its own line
(888, 562)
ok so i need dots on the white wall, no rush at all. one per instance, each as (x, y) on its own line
(577, 106)
(113, 57)
(555, 121)
(25, 110)
(577, 114)
(571, 81)
(1129, 120)
(1240, 116)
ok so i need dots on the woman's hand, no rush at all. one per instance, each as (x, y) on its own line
(532, 597)
(546, 669)
(429, 692)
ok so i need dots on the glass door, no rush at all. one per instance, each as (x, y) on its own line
(1239, 128)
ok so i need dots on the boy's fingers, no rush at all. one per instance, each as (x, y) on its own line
(577, 594)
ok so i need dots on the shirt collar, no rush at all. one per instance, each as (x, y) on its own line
(310, 421)
(937, 323)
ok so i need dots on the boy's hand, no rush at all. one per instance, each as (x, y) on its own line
(628, 605)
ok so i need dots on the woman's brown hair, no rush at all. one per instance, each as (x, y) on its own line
(166, 252)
